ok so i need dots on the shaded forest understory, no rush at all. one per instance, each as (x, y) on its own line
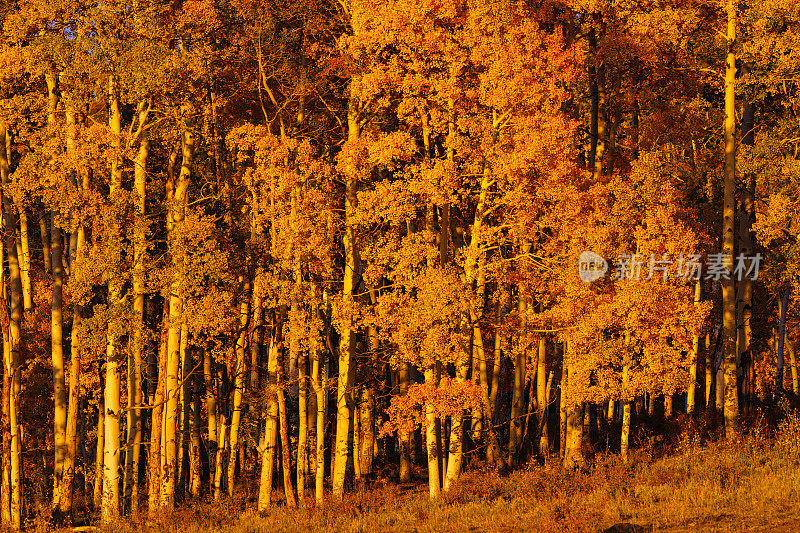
(682, 477)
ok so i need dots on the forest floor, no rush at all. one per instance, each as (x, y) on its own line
(683, 483)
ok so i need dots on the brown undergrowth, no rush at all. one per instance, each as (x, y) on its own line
(691, 480)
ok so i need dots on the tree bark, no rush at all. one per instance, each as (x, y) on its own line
(135, 395)
(784, 311)
(434, 485)
(176, 216)
(729, 215)
(542, 398)
(14, 334)
(691, 388)
(286, 453)
(57, 352)
(211, 410)
(239, 380)
(157, 419)
(346, 340)
(320, 389)
(270, 425)
(111, 499)
(793, 362)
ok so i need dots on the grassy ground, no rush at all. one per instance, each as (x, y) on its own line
(685, 483)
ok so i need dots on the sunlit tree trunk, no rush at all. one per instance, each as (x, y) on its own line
(176, 216)
(783, 312)
(239, 381)
(346, 340)
(434, 485)
(626, 429)
(404, 438)
(195, 467)
(156, 424)
(270, 424)
(302, 429)
(320, 388)
(45, 241)
(729, 215)
(23, 248)
(14, 331)
(57, 344)
(65, 501)
(473, 270)
(68, 477)
(542, 398)
(5, 500)
(211, 410)
(286, 453)
(573, 453)
(691, 387)
(744, 294)
(136, 353)
(98, 464)
(111, 500)
(793, 362)
(515, 427)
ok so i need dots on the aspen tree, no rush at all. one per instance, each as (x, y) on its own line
(12, 365)
(729, 215)
(135, 393)
(239, 378)
(176, 217)
(111, 454)
(347, 341)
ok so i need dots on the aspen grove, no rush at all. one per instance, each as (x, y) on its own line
(311, 244)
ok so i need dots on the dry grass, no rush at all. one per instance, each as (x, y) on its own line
(686, 483)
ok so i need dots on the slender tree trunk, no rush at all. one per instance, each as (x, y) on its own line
(135, 396)
(286, 452)
(346, 340)
(270, 425)
(493, 451)
(542, 398)
(211, 410)
(14, 329)
(68, 478)
(626, 429)
(8, 365)
(57, 352)
(222, 450)
(793, 362)
(515, 427)
(25, 260)
(45, 242)
(573, 453)
(239, 381)
(176, 216)
(691, 388)
(302, 430)
(101, 434)
(196, 423)
(729, 215)
(784, 311)
(111, 499)
(434, 485)
(709, 364)
(156, 424)
(403, 381)
(320, 388)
